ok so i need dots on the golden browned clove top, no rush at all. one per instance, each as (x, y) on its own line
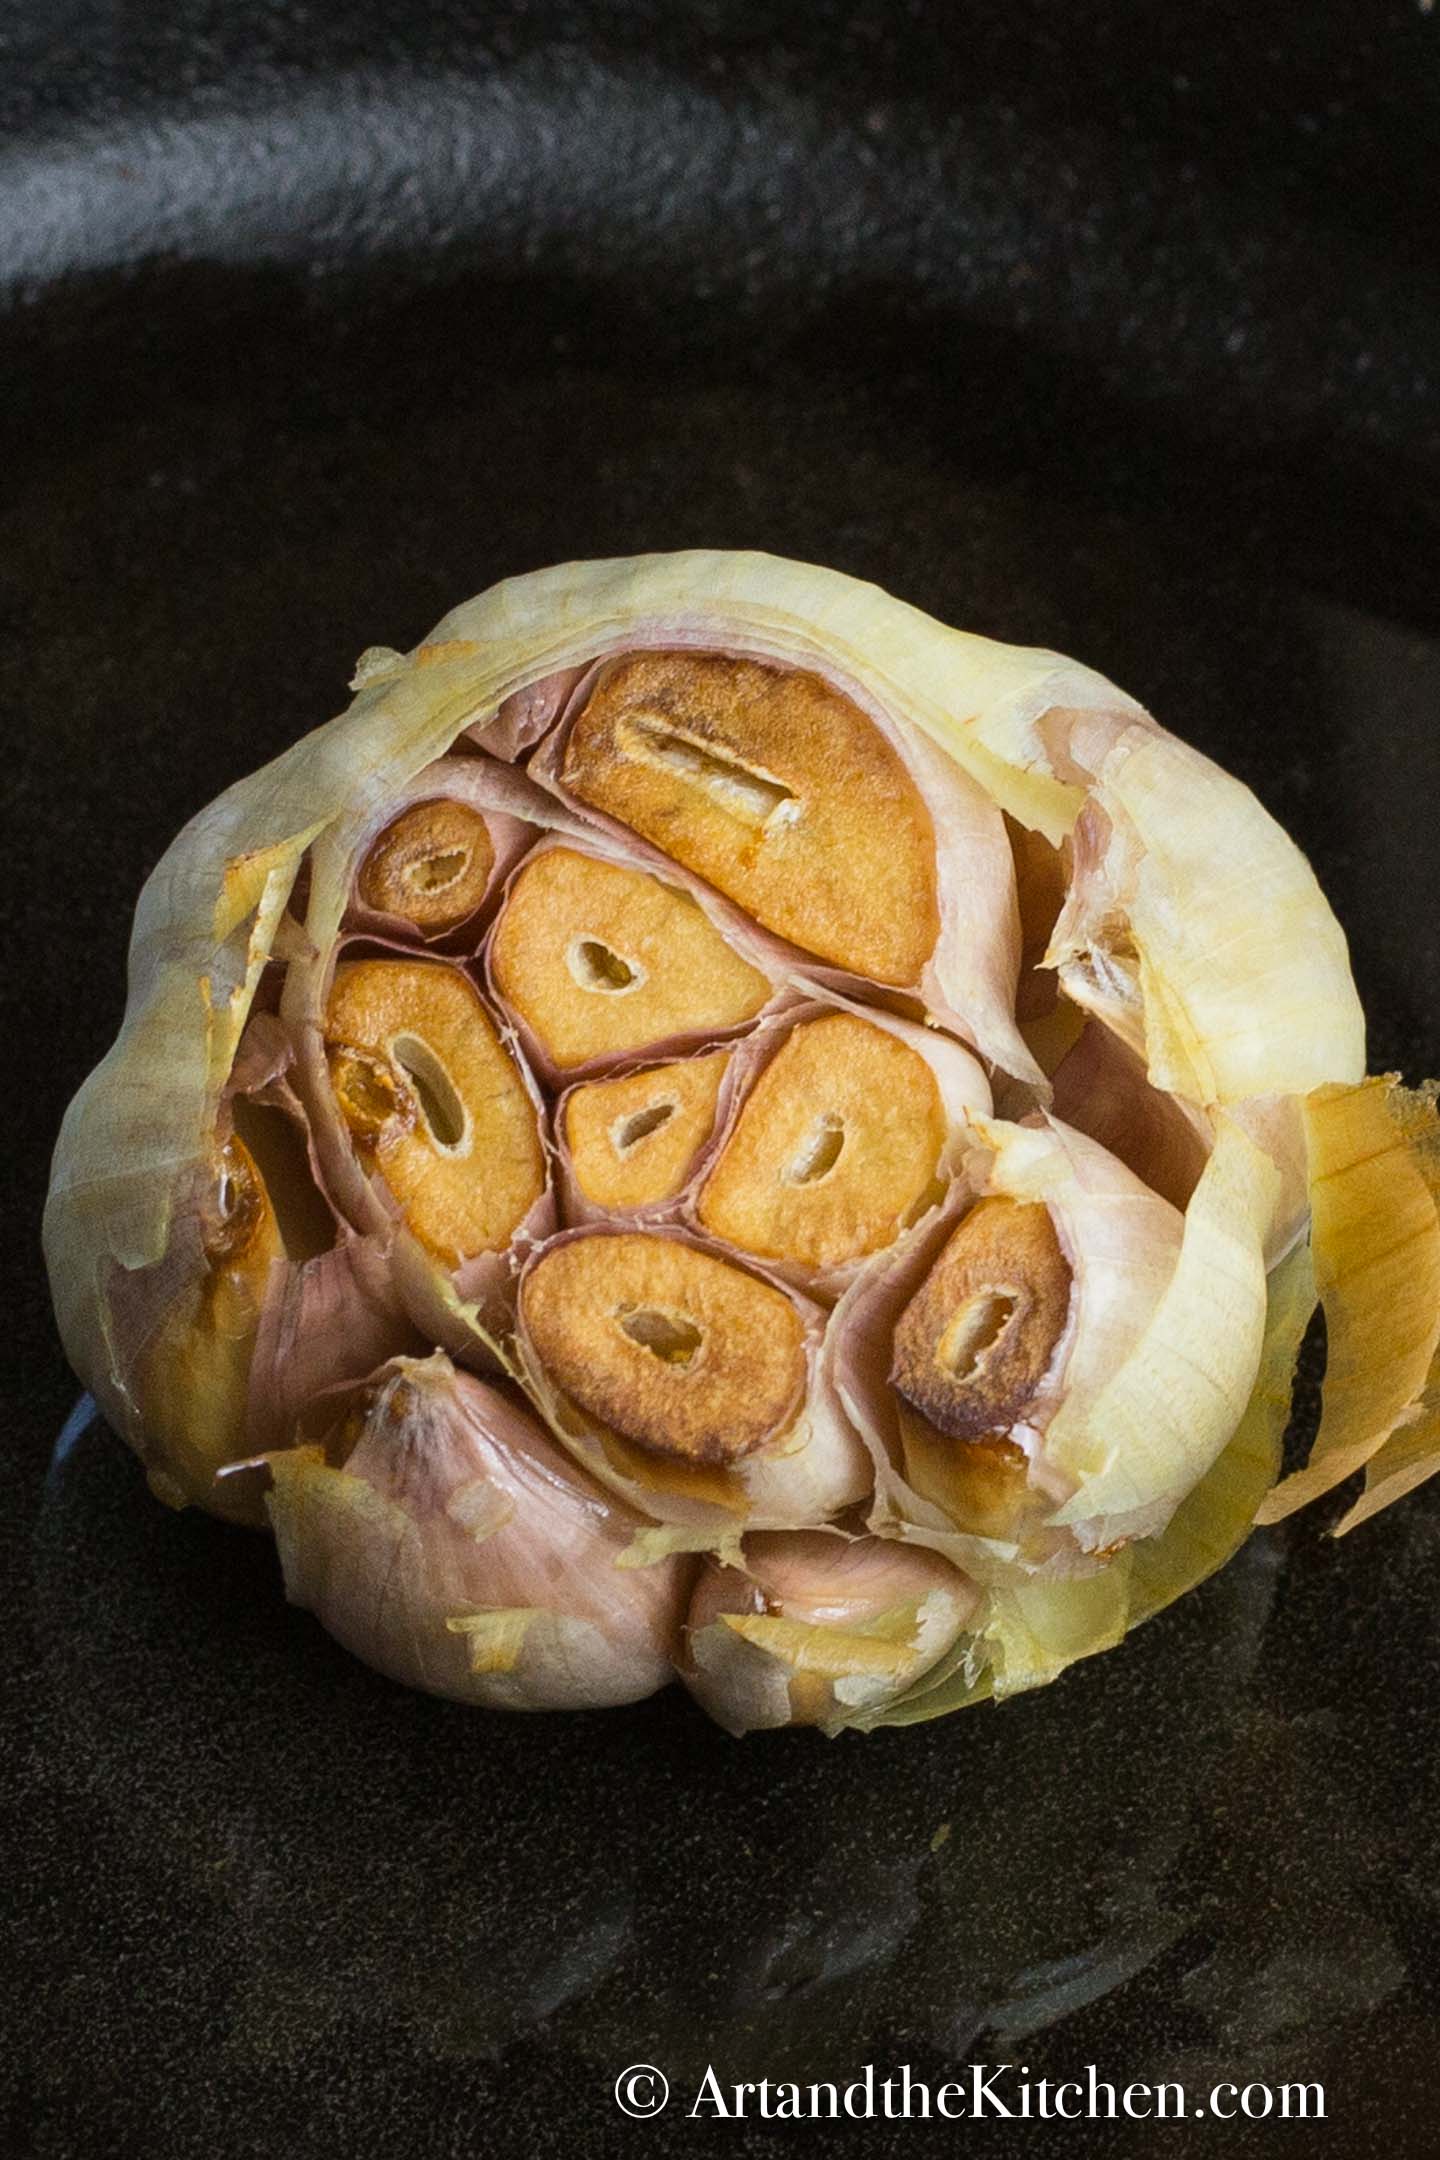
(667, 1345)
(428, 1090)
(838, 1141)
(974, 1343)
(632, 1140)
(601, 960)
(777, 789)
(430, 865)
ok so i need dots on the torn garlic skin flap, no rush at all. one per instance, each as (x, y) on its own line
(642, 994)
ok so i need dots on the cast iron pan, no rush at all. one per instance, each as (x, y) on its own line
(1115, 330)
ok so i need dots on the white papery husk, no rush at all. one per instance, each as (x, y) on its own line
(1194, 926)
(812, 1470)
(1101, 1087)
(459, 1551)
(811, 1628)
(1374, 1155)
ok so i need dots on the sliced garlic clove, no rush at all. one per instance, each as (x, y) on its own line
(814, 1629)
(433, 1101)
(440, 1535)
(837, 1144)
(630, 1144)
(975, 1342)
(600, 961)
(840, 1127)
(673, 1349)
(786, 849)
(995, 1329)
(429, 861)
(686, 1382)
(778, 790)
(431, 865)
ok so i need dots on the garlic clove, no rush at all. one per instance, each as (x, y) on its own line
(677, 1351)
(430, 866)
(838, 1142)
(777, 789)
(440, 1535)
(1001, 1338)
(192, 1324)
(688, 1383)
(814, 1629)
(632, 1142)
(974, 1343)
(433, 1101)
(601, 961)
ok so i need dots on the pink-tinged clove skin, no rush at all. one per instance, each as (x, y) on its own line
(814, 1628)
(438, 1533)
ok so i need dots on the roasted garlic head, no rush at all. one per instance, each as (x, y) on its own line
(710, 1126)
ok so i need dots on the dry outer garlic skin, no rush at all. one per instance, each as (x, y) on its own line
(603, 962)
(975, 1341)
(837, 1142)
(441, 1535)
(668, 1346)
(192, 1381)
(776, 788)
(812, 1627)
(429, 1092)
(431, 865)
(632, 1140)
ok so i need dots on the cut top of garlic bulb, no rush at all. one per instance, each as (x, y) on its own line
(850, 1079)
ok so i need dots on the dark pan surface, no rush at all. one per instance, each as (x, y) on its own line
(1070, 336)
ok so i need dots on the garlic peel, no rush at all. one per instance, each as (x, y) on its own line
(1374, 1184)
(453, 1546)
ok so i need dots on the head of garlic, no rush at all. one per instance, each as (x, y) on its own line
(759, 1064)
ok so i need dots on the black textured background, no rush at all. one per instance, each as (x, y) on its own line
(1113, 329)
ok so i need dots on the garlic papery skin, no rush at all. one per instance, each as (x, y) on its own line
(1374, 1155)
(1195, 927)
(688, 1383)
(439, 1534)
(810, 1628)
